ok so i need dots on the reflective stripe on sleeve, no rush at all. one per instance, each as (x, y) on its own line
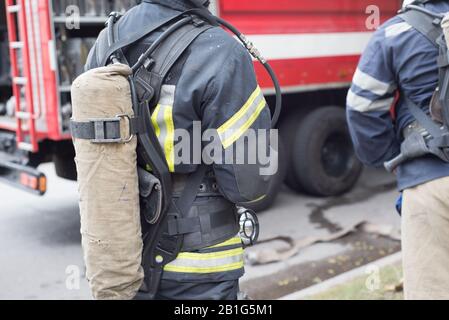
(169, 147)
(164, 127)
(362, 104)
(396, 29)
(237, 125)
(367, 82)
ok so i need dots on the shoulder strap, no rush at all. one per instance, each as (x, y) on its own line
(424, 24)
(171, 50)
(191, 189)
(149, 82)
(132, 38)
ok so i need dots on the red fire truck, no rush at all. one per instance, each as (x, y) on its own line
(313, 46)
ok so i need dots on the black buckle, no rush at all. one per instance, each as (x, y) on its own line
(100, 129)
(197, 22)
(113, 17)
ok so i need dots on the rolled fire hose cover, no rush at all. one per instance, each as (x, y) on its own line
(108, 187)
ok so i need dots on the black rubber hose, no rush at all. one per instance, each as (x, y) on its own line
(277, 87)
(111, 39)
(206, 14)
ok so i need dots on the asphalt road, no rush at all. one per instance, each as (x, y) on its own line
(41, 258)
(40, 252)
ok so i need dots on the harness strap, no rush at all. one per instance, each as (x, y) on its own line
(135, 37)
(105, 130)
(183, 224)
(423, 119)
(185, 202)
(428, 26)
(149, 81)
(158, 243)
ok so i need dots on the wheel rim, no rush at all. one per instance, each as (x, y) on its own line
(337, 155)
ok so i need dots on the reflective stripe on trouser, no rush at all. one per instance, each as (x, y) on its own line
(216, 263)
(425, 240)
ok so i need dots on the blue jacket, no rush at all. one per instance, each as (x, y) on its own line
(398, 59)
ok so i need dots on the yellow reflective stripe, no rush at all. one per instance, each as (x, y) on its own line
(164, 127)
(238, 133)
(222, 268)
(169, 147)
(194, 262)
(154, 116)
(230, 242)
(210, 255)
(258, 199)
(240, 113)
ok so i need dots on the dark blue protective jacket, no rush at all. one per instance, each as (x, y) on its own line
(213, 82)
(398, 59)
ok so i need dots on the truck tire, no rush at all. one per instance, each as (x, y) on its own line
(275, 184)
(323, 159)
(287, 132)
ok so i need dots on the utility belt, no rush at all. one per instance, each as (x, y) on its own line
(198, 217)
(211, 219)
(207, 188)
(207, 220)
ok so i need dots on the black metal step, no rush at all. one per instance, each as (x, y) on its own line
(22, 176)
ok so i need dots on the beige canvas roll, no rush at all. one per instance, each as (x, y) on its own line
(108, 187)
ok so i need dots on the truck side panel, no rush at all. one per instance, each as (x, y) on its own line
(311, 44)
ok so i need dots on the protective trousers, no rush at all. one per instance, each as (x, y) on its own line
(425, 241)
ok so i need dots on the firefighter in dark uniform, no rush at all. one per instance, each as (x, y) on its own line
(213, 82)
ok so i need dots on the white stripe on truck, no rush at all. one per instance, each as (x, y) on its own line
(306, 45)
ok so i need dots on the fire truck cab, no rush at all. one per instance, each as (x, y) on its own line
(313, 46)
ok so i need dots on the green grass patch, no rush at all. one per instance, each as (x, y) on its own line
(377, 284)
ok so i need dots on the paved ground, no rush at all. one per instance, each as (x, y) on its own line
(40, 254)
(299, 217)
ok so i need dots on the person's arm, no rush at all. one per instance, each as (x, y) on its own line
(369, 102)
(235, 108)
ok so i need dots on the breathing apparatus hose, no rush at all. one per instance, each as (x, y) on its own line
(113, 17)
(206, 14)
(256, 54)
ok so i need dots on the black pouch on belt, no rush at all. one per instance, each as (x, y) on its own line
(150, 192)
